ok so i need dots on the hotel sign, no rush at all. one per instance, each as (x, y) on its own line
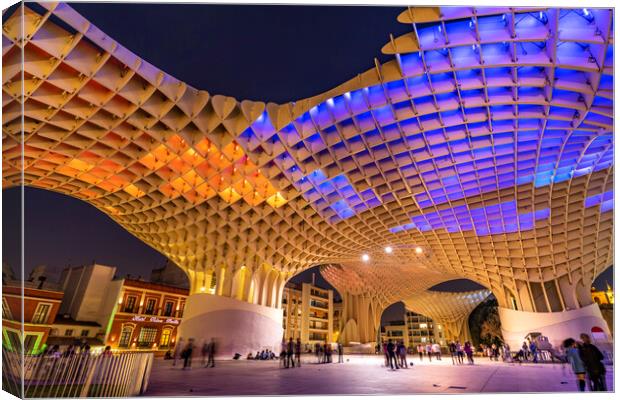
(139, 318)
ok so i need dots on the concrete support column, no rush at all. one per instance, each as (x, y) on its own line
(557, 326)
(237, 326)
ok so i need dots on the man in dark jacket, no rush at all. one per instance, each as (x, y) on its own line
(593, 360)
(392, 355)
(290, 350)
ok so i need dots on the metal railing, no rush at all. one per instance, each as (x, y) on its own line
(119, 374)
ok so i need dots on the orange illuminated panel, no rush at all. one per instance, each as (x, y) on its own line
(204, 147)
(192, 157)
(89, 178)
(193, 178)
(151, 162)
(87, 193)
(253, 198)
(111, 210)
(229, 195)
(232, 151)
(180, 185)
(169, 191)
(134, 191)
(206, 191)
(277, 200)
(80, 165)
(243, 187)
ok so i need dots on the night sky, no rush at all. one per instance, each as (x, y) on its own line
(267, 53)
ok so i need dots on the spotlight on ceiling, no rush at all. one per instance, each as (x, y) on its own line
(365, 257)
(418, 250)
(388, 250)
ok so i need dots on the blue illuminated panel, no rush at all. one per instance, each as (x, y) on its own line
(489, 220)
(606, 200)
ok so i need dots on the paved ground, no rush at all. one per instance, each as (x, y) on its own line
(358, 375)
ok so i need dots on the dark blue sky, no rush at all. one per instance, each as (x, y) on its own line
(268, 53)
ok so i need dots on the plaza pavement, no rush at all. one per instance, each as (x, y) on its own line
(358, 375)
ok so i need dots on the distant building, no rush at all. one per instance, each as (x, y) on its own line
(603, 296)
(143, 315)
(85, 289)
(40, 308)
(422, 330)
(395, 331)
(308, 313)
(122, 313)
(605, 301)
(67, 331)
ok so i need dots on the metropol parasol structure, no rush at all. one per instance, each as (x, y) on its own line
(483, 150)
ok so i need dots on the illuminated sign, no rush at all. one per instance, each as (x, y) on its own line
(139, 318)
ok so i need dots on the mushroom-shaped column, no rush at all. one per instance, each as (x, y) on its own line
(240, 309)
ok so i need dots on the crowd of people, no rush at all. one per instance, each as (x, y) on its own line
(290, 354)
(186, 352)
(395, 354)
(262, 355)
(585, 359)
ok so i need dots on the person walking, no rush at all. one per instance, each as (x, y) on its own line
(340, 353)
(576, 363)
(317, 352)
(178, 349)
(452, 349)
(391, 354)
(495, 352)
(593, 361)
(534, 351)
(459, 352)
(437, 350)
(420, 349)
(290, 350)
(526, 350)
(385, 353)
(507, 355)
(187, 354)
(283, 360)
(470, 352)
(402, 355)
(298, 352)
(211, 354)
(429, 352)
(328, 353)
(205, 352)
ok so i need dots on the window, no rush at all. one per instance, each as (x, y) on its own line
(147, 336)
(150, 306)
(131, 303)
(29, 343)
(40, 314)
(168, 308)
(69, 332)
(6, 311)
(14, 340)
(125, 336)
(165, 338)
(84, 332)
(423, 326)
